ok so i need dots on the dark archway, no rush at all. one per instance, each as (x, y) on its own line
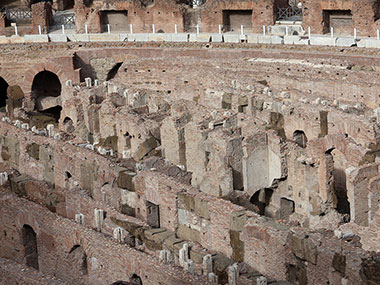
(112, 73)
(68, 124)
(68, 4)
(78, 260)
(29, 241)
(261, 199)
(3, 94)
(46, 89)
(135, 280)
(300, 138)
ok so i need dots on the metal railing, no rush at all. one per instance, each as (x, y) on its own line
(290, 13)
(18, 14)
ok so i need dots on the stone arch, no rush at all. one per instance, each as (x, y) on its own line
(77, 258)
(3, 94)
(46, 92)
(135, 280)
(261, 199)
(68, 125)
(300, 138)
(29, 241)
(113, 71)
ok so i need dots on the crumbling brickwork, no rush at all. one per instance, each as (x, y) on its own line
(190, 164)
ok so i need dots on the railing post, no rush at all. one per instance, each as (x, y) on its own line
(309, 32)
(109, 28)
(264, 30)
(131, 28)
(175, 28)
(242, 29)
(153, 29)
(355, 34)
(39, 29)
(332, 32)
(63, 29)
(16, 30)
(86, 29)
(197, 29)
(220, 29)
(286, 31)
(378, 34)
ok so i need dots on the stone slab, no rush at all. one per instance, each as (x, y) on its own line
(16, 40)
(217, 38)
(370, 43)
(142, 37)
(231, 38)
(4, 40)
(264, 39)
(322, 41)
(180, 37)
(160, 37)
(345, 42)
(104, 37)
(124, 37)
(277, 40)
(78, 37)
(290, 40)
(252, 39)
(58, 38)
(203, 38)
(36, 38)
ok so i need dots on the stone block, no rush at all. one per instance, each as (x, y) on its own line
(322, 41)
(231, 38)
(180, 37)
(144, 148)
(203, 38)
(160, 37)
(78, 37)
(372, 43)
(345, 42)
(18, 184)
(186, 202)
(125, 37)
(141, 37)
(237, 246)
(188, 234)
(276, 40)
(303, 248)
(104, 37)
(290, 40)
(201, 208)
(174, 244)
(237, 221)
(58, 38)
(217, 38)
(16, 40)
(33, 150)
(124, 180)
(264, 39)
(4, 40)
(252, 38)
(36, 38)
(183, 217)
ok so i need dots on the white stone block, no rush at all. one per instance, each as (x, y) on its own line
(141, 37)
(322, 41)
(345, 42)
(104, 37)
(119, 234)
(3, 178)
(99, 219)
(180, 37)
(58, 38)
(36, 38)
(25, 126)
(261, 281)
(78, 37)
(231, 38)
(88, 81)
(79, 218)
(50, 130)
(252, 39)
(217, 38)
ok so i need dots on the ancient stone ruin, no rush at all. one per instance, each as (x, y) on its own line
(187, 162)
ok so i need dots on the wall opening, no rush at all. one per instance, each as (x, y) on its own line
(135, 280)
(112, 73)
(118, 20)
(29, 241)
(68, 125)
(128, 138)
(78, 259)
(46, 89)
(3, 94)
(153, 214)
(261, 199)
(286, 208)
(300, 138)
(233, 19)
(340, 187)
(340, 20)
(68, 4)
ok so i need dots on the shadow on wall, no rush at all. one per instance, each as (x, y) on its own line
(3, 94)
(29, 241)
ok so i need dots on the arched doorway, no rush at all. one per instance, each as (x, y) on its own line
(261, 199)
(78, 260)
(300, 138)
(46, 89)
(29, 241)
(3, 94)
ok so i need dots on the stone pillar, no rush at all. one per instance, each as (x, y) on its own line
(42, 15)
(233, 274)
